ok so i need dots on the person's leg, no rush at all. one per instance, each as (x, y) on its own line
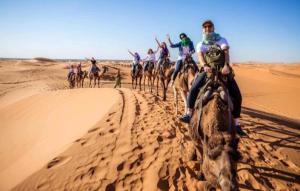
(192, 96)
(195, 66)
(177, 69)
(236, 96)
(146, 65)
(159, 63)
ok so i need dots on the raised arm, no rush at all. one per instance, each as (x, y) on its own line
(169, 39)
(156, 50)
(158, 43)
(130, 53)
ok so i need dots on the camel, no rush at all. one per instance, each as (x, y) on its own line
(212, 128)
(163, 74)
(149, 74)
(183, 82)
(96, 76)
(137, 76)
(80, 76)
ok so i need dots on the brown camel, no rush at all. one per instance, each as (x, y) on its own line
(96, 76)
(183, 82)
(136, 76)
(163, 74)
(80, 76)
(149, 74)
(213, 129)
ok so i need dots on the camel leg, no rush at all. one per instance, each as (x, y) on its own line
(90, 83)
(140, 84)
(144, 82)
(132, 82)
(184, 97)
(175, 100)
(157, 81)
(163, 86)
(150, 84)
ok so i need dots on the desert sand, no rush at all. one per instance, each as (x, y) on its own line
(53, 138)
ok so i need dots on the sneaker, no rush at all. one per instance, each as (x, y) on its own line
(185, 118)
(239, 130)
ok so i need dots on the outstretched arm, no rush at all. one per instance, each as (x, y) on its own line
(130, 53)
(158, 43)
(156, 50)
(169, 39)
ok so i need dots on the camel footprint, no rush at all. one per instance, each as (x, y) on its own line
(58, 161)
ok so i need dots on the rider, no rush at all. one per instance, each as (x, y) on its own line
(136, 61)
(164, 52)
(79, 69)
(150, 58)
(186, 47)
(94, 68)
(211, 38)
(71, 70)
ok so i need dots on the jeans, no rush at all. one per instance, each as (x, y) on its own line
(147, 64)
(233, 90)
(178, 66)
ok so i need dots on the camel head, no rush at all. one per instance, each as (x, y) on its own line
(218, 137)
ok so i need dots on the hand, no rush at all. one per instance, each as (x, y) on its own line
(168, 36)
(225, 70)
(206, 69)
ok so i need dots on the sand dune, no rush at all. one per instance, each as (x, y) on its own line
(136, 142)
(36, 129)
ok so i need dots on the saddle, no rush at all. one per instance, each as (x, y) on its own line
(214, 86)
(149, 66)
(163, 65)
(188, 63)
(136, 69)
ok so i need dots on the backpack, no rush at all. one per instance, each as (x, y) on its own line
(215, 57)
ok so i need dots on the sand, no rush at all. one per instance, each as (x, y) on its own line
(122, 139)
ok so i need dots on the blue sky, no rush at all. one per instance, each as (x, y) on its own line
(257, 30)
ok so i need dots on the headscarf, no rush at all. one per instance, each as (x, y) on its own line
(210, 38)
(185, 41)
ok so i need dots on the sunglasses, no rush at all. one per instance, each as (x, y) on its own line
(207, 26)
(181, 37)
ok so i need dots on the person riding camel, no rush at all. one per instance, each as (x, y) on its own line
(210, 40)
(186, 47)
(79, 69)
(94, 68)
(150, 58)
(135, 62)
(71, 70)
(164, 52)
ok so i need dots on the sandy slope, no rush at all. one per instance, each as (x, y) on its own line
(37, 128)
(140, 145)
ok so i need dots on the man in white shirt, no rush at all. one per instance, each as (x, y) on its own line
(210, 38)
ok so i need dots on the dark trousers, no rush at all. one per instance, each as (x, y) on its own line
(178, 66)
(233, 89)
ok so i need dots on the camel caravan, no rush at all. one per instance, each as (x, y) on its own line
(76, 75)
(211, 97)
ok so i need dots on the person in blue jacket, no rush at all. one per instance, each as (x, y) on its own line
(186, 47)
